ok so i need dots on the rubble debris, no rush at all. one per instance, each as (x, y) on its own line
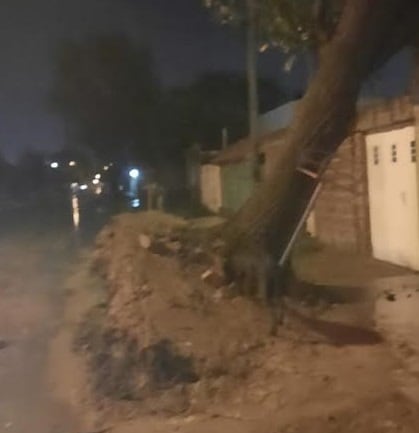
(391, 297)
(213, 278)
(145, 241)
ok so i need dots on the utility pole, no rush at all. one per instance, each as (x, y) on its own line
(253, 99)
(414, 83)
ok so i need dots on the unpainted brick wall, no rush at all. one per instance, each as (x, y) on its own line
(341, 210)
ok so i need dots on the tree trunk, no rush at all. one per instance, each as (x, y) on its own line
(368, 33)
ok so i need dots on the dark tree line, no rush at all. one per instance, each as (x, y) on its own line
(106, 90)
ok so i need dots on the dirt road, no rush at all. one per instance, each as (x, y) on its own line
(37, 252)
(31, 301)
(298, 384)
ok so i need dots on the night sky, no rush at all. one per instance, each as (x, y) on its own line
(181, 34)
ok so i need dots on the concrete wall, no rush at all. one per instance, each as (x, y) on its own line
(237, 185)
(276, 119)
(211, 191)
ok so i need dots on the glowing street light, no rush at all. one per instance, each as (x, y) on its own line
(136, 203)
(83, 187)
(72, 163)
(95, 181)
(106, 167)
(134, 173)
(54, 164)
(98, 176)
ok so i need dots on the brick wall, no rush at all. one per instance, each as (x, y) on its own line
(341, 210)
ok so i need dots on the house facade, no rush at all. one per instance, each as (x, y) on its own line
(369, 197)
(369, 200)
(227, 180)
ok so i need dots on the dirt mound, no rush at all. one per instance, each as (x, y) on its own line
(166, 324)
(173, 343)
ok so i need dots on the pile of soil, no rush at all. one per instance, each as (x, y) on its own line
(169, 325)
(171, 340)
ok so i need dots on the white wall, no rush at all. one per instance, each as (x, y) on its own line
(211, 191)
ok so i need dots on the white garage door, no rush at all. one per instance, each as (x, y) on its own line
(393, 196)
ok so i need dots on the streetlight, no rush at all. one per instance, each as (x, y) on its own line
(54, 164)
(106, 167)
(134, 173)
(72, 163)
(95, 181)
(98, 176)
(136, 203)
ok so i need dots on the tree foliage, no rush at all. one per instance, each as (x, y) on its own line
(288, 24)
(106, 91)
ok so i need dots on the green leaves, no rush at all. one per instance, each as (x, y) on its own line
(287, 24)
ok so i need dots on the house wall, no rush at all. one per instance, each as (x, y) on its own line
(276, 119)
(237, 185)
(211, 192)
(341, 211)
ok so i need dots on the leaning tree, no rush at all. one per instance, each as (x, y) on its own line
(351, 39)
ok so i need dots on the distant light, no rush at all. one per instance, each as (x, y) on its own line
(72, 163)
(74, 185)
(134, 173)
(263, 48)
(54, 164)
(84, 187)
(98, 176)
(76, 211)
(95, 181)
(136, 203)
(110, 164)
(106, 167)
